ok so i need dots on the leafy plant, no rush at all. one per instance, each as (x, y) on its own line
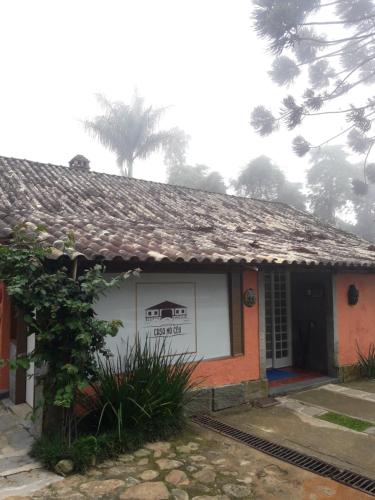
(57, 306)
(366, 362)
(145, 388)
(88, 449)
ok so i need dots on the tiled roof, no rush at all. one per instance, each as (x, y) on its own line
(116, 217)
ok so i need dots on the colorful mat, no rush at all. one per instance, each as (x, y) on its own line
(279, 374)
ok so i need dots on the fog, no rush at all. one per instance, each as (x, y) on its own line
(201, 58)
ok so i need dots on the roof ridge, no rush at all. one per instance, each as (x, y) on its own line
(159, 183)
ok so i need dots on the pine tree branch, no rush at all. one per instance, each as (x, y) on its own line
(322, 23)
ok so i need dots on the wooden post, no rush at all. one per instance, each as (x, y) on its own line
(5, 320)
(18, 346)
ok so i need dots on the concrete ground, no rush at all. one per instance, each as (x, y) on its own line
(362, 385)
(19, 472)
(294, 423)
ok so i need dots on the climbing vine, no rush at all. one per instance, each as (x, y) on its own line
(57, 306)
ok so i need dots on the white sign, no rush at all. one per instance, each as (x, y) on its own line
(168, 311)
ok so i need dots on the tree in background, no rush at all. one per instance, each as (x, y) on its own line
(332, 43)
(198, 177)
(264, 180)
(175, 148)
(131, 131)
(329, 181)
(364, 209)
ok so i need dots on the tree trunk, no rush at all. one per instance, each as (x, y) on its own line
(130, 168)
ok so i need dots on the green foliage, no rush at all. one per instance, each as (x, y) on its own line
(366, 361)
(50, 450)
(145, 389)
(137, 398)
(58, 308)
(351, 423)
(86, 449)
(198, 177)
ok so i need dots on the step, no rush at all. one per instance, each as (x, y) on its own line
(301, 385)
(15, 464)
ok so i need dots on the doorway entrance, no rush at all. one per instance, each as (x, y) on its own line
(298, 324)
(312, 320)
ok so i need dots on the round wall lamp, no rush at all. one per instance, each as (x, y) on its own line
(353, 295)
(249, 297)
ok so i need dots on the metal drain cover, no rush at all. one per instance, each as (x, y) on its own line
(312, 464)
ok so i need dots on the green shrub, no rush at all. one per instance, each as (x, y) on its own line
(145, 389)
(86, 448)
(137, 398)
(50, 450)
(366, 362)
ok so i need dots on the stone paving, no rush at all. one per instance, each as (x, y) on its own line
(200, 465)
(18, 471)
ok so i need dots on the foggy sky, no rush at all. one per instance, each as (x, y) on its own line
(201, 57)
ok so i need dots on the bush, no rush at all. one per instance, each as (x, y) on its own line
(146, 390)
(137, 398)
(366, 362)
(89, 449)
(50, 450)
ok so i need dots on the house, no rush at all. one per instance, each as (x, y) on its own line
(166, 309)
(267, 290)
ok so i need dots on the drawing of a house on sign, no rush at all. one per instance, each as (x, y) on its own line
(166, 309)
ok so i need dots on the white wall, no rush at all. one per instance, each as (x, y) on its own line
(212, 311)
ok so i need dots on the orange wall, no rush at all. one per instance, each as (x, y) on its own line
(4, 336)
(354, 323)
(237, 369)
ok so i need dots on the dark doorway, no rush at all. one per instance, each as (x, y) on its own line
(166, 313)
(312, 321)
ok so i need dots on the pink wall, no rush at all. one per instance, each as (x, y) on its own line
(232, 370)
(354, 323)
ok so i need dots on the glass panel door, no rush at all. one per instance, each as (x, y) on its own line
(277, 319)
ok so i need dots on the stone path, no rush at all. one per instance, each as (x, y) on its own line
(200, 465)
(18, 471)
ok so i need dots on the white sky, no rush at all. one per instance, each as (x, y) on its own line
(199, 56)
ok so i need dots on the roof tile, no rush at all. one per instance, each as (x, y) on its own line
(116, 217)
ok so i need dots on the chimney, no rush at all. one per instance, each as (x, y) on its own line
(79, 162)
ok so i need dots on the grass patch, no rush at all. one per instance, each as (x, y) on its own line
(351, 423)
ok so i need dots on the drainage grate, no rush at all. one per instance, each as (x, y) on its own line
(293, 457)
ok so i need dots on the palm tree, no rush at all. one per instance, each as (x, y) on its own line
(130, 130)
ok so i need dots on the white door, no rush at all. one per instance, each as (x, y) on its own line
(30, 383)
(277, 319)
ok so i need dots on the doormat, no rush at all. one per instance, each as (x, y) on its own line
(275, 374)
